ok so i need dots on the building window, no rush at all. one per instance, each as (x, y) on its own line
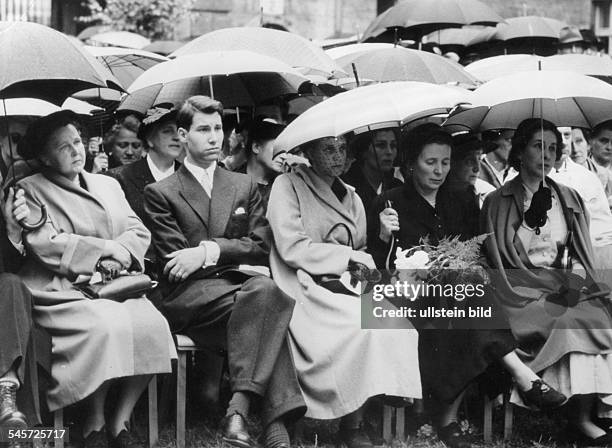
(38, 11)
(602, 11)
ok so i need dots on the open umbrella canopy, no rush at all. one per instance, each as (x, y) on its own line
(236, 78)
(564, 98)
(290, 48)
(45, 64)
(164, 47)
(419, 17)
(528, 26)
(93, 30)
(380, 106)
(345, 50)
(456, 37)
(402, 64)
(39, 108)
(125, 64)
(123, 39)
(495, 67)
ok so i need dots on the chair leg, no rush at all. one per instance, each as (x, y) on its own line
(508, 416)
(400, 424)
(153, 420)
(181, 386)
(387, 416)
(58, 424)
(488, 420)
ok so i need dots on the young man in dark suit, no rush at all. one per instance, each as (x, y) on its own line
(205, 223)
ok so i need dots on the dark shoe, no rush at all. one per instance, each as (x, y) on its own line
(453, 437)
(581, 439)
(542, 396)
(354, 438)
(235, 431)
(10, 417)
(96, 439)
(126, 439)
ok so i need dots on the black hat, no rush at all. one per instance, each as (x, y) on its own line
(265, 129)
(38, 133)
(158, 113)
(466, 142)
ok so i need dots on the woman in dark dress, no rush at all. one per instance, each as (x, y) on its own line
(425, 206)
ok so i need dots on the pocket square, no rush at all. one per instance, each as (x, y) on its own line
(240, 211)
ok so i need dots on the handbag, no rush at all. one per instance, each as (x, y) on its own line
(118, 289)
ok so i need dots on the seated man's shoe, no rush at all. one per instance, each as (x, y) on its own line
(542, 396)
(235, 431)
(10, 417)
(453, 437)
(96, 439)
(354, 438)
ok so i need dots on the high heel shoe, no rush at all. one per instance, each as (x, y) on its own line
(542, 396)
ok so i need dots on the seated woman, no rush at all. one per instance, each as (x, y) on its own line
(122, 144)
(539, 242)
(465, 167)
(22, 345)
(372, 171)
(319, 228)
(426, 207)
(94, 341)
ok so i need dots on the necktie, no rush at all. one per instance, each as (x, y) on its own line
(206, 183)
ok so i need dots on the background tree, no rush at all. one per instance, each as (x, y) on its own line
(155, 19)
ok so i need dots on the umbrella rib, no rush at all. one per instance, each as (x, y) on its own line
(582, 112)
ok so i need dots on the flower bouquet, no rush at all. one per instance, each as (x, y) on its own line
(451, 261)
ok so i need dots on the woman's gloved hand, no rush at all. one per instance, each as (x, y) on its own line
(541, 202)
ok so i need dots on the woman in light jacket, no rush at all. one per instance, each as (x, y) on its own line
(319, 228)
(94, 341)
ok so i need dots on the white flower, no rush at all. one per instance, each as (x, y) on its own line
(418, 260)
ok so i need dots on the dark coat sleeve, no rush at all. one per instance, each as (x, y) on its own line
(377, 247)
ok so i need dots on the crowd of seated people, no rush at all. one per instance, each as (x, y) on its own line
(248, 259)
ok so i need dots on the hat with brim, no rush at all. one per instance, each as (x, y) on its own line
(467, 142)
(32, 145)
(158, 114)
(266, 129)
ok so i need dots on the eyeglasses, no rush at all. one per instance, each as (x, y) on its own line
(134, 145)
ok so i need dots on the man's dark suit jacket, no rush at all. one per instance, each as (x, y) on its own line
(180, 215)
(133, 178)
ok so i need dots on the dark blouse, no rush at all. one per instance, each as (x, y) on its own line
(456, 213)
(355, 178)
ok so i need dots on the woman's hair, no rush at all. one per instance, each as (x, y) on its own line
(33, 145)
(130, 122)
(194, 104)
(605, 126)
(525, 132)
(359, 144)
(416, 139)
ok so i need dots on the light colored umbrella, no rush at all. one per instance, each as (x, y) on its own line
(459, 37)
(425, 16)
(124, 39)
(126, 64)
(402, 64)
(38, 108)
(592, 65)
(564, 98)
(345, 50)
(496, 66)
(45, 64)
(164, 47)
(93, 30)
(236, 78)
(368, 108)
(290, 48)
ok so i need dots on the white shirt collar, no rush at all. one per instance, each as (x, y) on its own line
(198, 172)
(156, 172)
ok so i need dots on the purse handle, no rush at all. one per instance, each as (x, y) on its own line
(348, 231)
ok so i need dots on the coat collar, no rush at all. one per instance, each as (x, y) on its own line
(514, 188)
(324, 192)
(194, 194)
(222, 201)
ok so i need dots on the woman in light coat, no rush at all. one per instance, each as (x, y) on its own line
(319, 227)
(94, 341)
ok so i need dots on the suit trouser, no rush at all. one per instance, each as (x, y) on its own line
(251, 324)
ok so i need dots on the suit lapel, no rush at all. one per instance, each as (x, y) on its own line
(194, 194)
(223, 193)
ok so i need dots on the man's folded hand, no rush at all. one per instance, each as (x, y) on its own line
(184, 262)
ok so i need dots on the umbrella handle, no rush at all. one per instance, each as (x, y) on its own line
(41, 222)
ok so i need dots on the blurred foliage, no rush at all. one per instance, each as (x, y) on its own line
(155, 19)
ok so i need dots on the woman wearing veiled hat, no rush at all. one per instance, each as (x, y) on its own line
(95, 342)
